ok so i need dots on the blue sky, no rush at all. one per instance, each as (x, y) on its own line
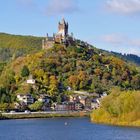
(107, 24)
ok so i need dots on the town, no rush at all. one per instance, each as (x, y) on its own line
(78, 101)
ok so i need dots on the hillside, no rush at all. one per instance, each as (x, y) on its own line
(13, 46)
(128, 57)
(79, 67)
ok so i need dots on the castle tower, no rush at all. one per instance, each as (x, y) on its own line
(61, 37)
(62, 31)
(63, 28)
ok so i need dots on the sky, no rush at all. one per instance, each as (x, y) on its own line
(112, 25)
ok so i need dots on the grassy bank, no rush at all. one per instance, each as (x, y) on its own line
(107, 119)
(119, 108)
(44, 115)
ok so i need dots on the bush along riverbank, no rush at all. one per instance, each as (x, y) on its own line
(32, 115)
(119, 108)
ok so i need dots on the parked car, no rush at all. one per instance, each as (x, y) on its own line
(12, 111)
(27, 111)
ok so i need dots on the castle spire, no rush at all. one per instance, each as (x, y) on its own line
(63, 20)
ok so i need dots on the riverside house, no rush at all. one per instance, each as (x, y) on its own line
(30, 80)
(44, 98)
(81, 101)
(25, 98)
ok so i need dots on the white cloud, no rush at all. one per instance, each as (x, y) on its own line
(117, 39)
(135, 42)
(124, 6)
(60, 7)
(113, 39)
(25, 2)
(117, 42)
(133, 50)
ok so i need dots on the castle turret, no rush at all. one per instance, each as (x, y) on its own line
(63, 28)
(61, 36)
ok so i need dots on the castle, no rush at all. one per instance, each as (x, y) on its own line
(61, 37)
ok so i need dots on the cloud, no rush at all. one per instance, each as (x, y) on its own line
(122, 43)
(60, 7)
(26, 3)
(124, 6)
(133, 50)
(117, 39)
(135, 42)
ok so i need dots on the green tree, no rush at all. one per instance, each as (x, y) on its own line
(36, 106)
(92, 87)
(136, 82)
(25, 71)
(59, 99)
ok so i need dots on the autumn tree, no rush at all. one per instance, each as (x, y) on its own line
(53, 86)
(73, 81)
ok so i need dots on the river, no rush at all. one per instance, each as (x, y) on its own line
(64, 129)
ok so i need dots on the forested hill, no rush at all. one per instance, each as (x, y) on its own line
(13, 46)
(128, 57)
(78, 67)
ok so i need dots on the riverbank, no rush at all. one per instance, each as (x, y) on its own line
(32, 115)
(108, 120)
(119, 108)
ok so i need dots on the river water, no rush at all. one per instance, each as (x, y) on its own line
(64, 129)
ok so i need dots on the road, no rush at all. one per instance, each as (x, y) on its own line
(41, 112)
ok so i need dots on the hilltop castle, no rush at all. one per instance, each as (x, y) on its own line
(61, 37)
